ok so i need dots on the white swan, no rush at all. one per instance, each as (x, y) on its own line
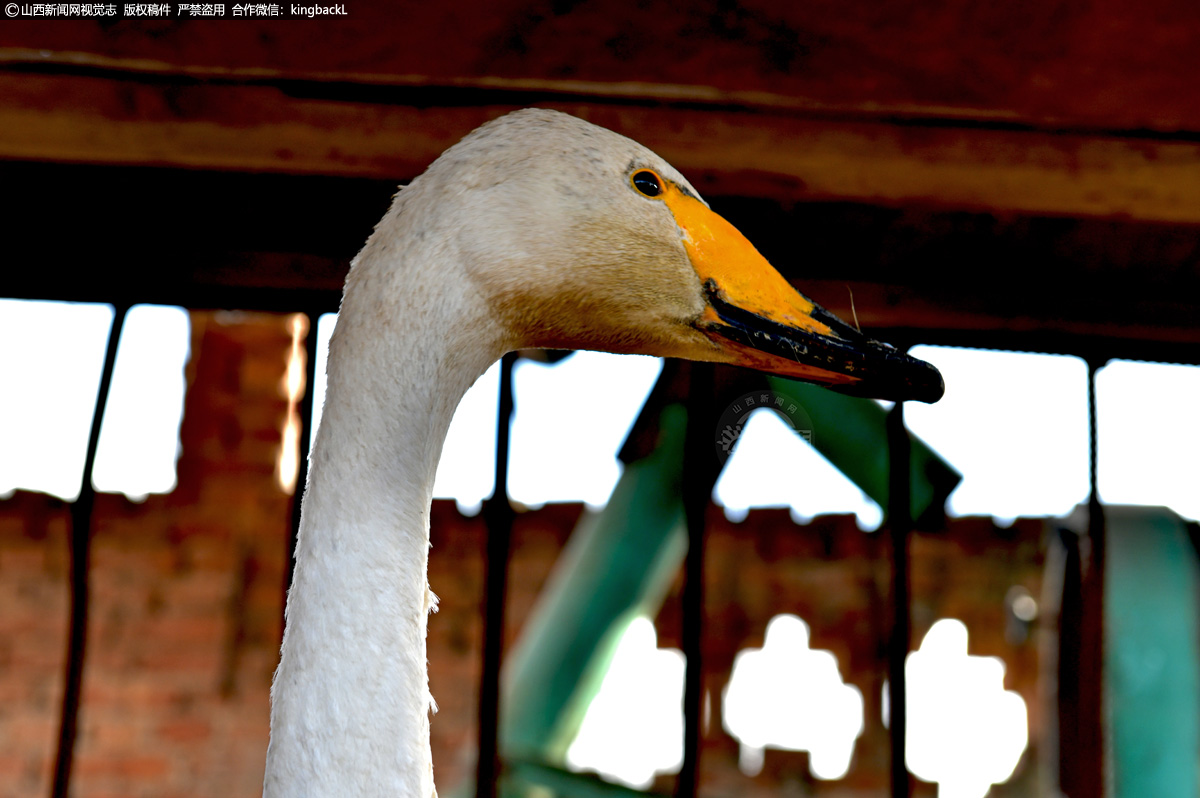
(536, 230)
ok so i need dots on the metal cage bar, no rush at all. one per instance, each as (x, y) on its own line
(699, 473)
(80, 553)
(498, 515)
(899, 512)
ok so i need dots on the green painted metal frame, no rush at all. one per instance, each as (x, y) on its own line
(621, 561)
(852, 434)
(1152, 646)
(558, 781)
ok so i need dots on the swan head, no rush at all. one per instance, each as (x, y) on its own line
(580, 238)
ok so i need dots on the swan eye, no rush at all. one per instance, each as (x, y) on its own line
(647, 183)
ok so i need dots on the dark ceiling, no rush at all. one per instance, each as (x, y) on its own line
(1009, 177)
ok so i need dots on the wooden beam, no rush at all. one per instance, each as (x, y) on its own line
(283, 242)
(1102, 66)
(908, 315)
(136, 121)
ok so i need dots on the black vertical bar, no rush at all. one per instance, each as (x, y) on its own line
(1092, 671)
(81, 546)
(699, 473)
(1096, 521)
(305, 411)
(498, 515)
(899, 526)
(1093, 442)
(1090, 761)
(1080, 672)
(1071, 692)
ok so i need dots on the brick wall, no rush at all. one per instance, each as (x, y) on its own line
(837, 579)
(185, 598)
(187, 593)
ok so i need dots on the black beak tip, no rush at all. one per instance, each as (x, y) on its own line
(929, 387)
(880, 370)
(901, 379)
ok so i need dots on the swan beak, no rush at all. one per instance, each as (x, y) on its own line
(757, 319)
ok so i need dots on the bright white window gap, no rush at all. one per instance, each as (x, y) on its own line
(467, 470)
(51, 357)
(52, 354)
(325, 325)
(1148, 431)
(139, 439)
(633, 728)
(1014, 424)
(965, 731)
(774, 466)
(571, 419)
(789, 696)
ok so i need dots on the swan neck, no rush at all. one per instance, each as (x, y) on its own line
(350, 701)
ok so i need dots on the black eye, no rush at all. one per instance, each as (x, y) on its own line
(647, 183)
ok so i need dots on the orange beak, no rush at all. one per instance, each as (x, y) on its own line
(757, 319)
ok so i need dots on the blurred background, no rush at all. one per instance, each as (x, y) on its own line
(1011, 191)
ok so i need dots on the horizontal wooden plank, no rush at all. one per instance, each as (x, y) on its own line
(281, 242)
(1101, 65)
(71, 118)
(902, 314)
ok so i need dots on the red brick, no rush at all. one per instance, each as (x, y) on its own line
(109, 734)
(185, 731)
(135, 768)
